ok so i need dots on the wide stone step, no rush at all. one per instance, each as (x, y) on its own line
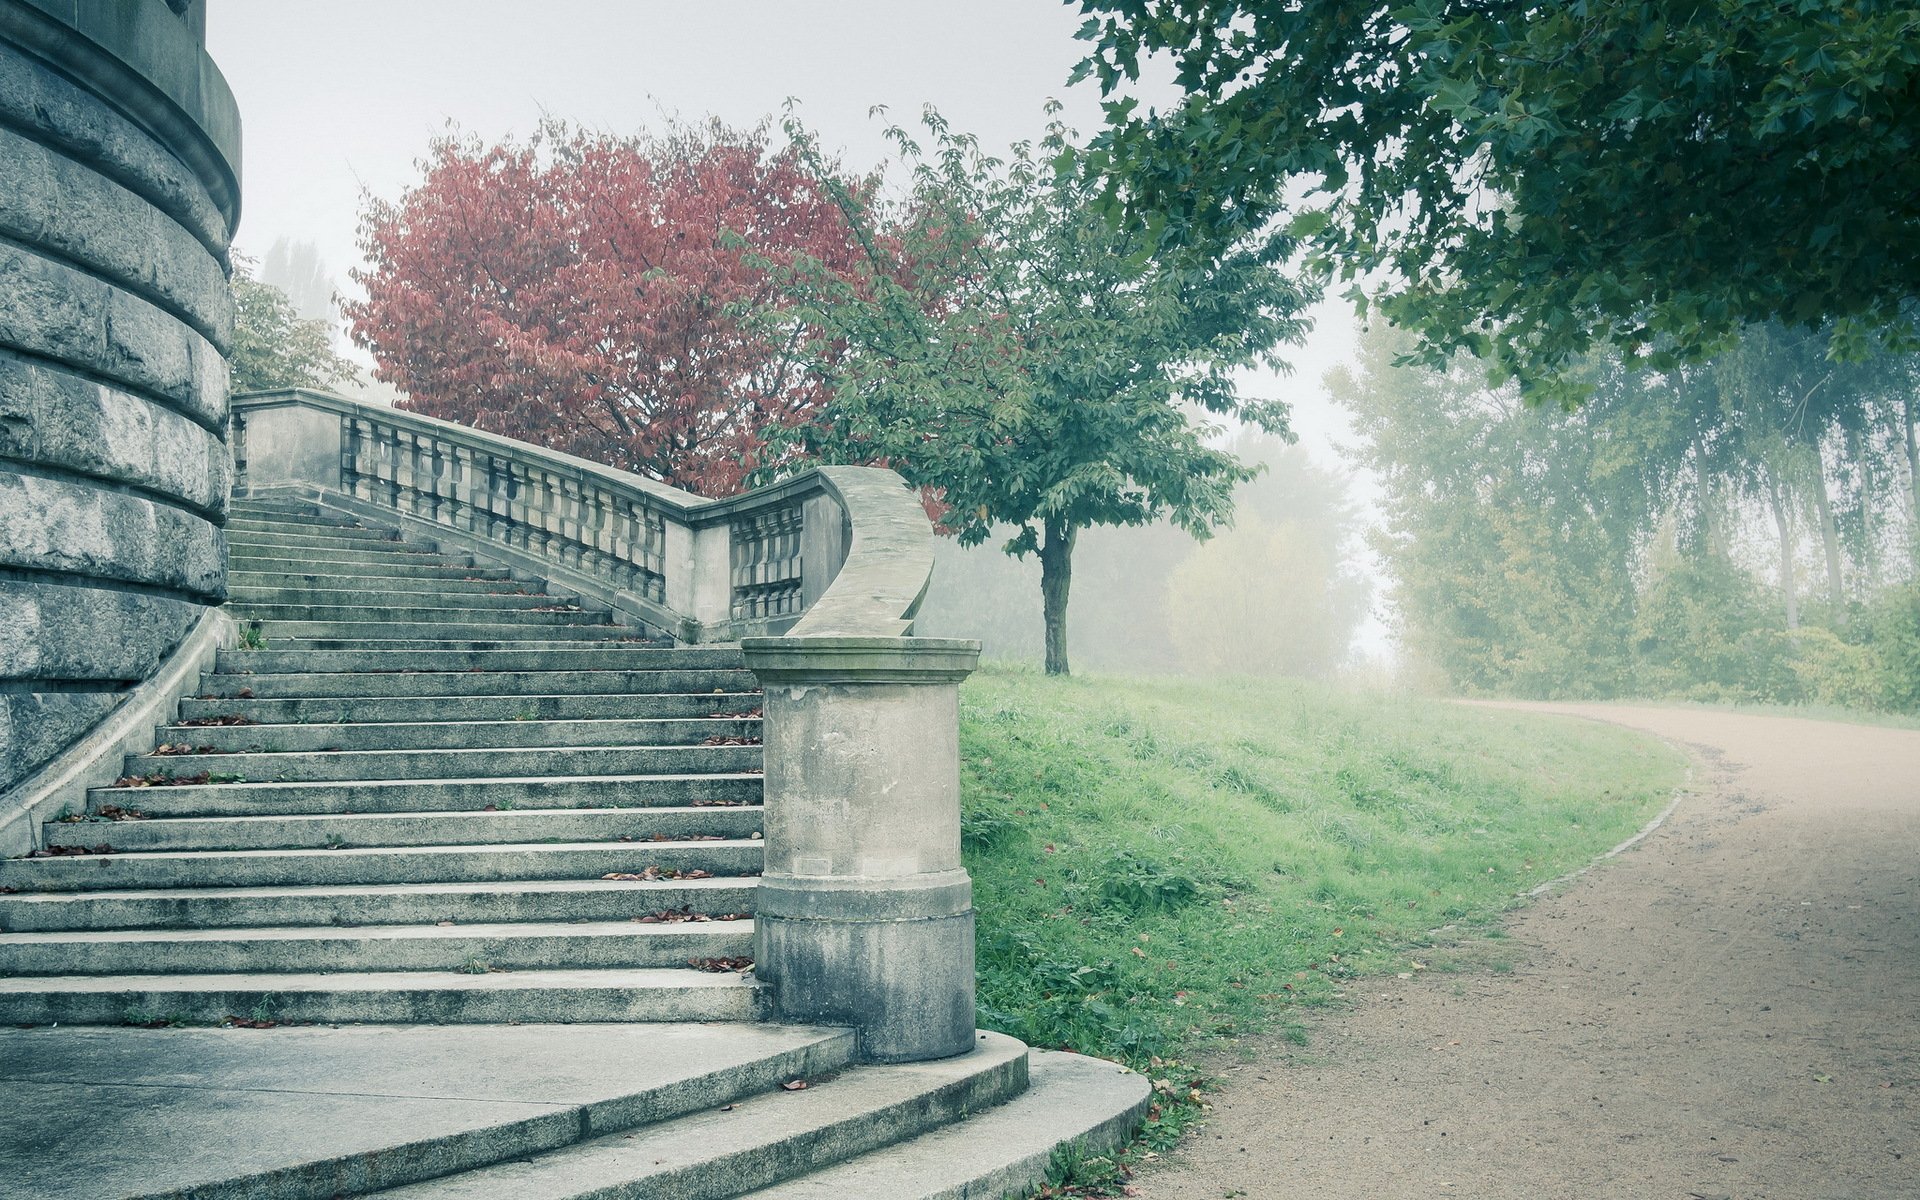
(244, 555)
(290, 572)
(442, 997)
(758, 1141)
(1081, 1105)
(473, 949)
(455, 609)
(314, 831)
(362, 865)
(474, 683)
(460, 735)
(397, 1105)
(240, 517)
(478, 626)
(586, 658)
(527, 639)
(332, 587)
(341, 709)
(374, 904)
(316, 604)
(321, 766)
(276, 534)
(434, 795)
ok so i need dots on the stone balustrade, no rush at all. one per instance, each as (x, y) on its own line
(865, 913)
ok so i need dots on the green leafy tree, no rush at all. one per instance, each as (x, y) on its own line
(1530, 181)
(1031, 366)
(273, 347)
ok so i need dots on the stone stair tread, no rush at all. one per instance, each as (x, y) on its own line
(621, 979)
(452, 931)
(755, 1142)
(1003, 1151)
(371, 851)
(459, 888)
(306, 1114)
(316, 830)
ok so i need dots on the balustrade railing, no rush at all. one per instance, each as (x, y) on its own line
(703, 569)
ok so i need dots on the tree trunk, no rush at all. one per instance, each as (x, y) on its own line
(1056, 579)
(1703, 496)
(1781, 522)
(1830, 542)
(1907, 421)
(1869, 537)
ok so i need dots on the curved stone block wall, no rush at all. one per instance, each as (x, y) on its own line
(119, 189)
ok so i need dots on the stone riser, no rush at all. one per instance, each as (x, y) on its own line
(492, 581)
(371, 865)
(250, 557)
(321, 831)
(390, 904)
(477, 683)
(534, 762)
(460, 735)
(284, 619)
(442, 795)
(332, 604)
(448, 998)
(586, 658)
(291, 572)
(615, 945)
(519, 709)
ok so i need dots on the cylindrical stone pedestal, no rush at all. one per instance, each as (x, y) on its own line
(865, 914)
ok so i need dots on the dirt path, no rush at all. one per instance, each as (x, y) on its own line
(1730, 1011)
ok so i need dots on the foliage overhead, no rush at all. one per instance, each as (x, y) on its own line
(1007, 347)
(586, 292)
(272, 346)
(1528, 181)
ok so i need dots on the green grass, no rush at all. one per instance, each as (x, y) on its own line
(1161, 862)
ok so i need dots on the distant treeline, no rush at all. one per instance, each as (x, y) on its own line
(1275, 594)
(1742, 530)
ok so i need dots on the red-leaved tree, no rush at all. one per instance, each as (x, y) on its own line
(604, 296)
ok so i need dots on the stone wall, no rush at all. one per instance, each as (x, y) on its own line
(119, 189)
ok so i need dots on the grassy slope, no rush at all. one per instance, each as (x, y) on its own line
(1157, 861)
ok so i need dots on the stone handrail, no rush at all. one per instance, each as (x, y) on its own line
(701, 569)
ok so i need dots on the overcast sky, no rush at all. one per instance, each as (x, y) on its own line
(341, 97)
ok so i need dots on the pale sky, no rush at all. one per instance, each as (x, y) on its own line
(341, 96)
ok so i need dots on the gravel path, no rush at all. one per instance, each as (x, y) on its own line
(1729, 1011)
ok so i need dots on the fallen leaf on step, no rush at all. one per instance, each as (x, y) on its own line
(794, 1085)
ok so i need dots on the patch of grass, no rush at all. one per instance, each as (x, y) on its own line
(1158, 863)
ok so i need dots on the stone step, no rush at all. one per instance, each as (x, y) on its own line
(434, 795)
(586, 658)
(529, 640)
(317, 604)
(272, 533)
(358, 766)
(442, 997)
(758, 1141)
(335, 588)
(473, 949)
(243, 516)
(338, 709)
(362, 865)
(290, 572)
(283, 558)
(478, 626)
(1085, 1106)
(295, 685)
(373, 904)
(460, 735)
(314, 831)
(393, 1105)
(455, 609)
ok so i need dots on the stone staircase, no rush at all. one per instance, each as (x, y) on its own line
(430, 791)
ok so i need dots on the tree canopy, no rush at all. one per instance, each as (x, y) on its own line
(586, 292)
(1529, 181)
(273, 347)
(1006, 346)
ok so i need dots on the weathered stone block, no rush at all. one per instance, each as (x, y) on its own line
(63, 420)
(87, 635)
(57, 203)
(55, 525)
(33, 97)
(36, 726)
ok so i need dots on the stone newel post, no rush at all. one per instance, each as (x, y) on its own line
(865, 915)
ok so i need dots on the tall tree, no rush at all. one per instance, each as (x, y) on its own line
(584, 292)
(1529, 181)
(1008, 348)
(273, 346)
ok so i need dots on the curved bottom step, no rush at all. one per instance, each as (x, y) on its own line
(1071, 1101)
